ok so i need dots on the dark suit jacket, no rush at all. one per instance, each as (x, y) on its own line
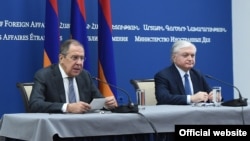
(169, 88)
(48, 94)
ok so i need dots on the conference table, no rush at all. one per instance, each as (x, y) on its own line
(149, 120)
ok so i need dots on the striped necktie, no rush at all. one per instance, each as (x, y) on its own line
(187, 85)
(71, 96)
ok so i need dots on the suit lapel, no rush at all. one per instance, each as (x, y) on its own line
(178, 80)
(194, 81)
(80, 85)
(58, 81)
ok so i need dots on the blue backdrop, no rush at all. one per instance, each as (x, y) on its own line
(143, 32)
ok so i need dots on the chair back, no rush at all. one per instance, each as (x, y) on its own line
(149, 86)
(25, 89)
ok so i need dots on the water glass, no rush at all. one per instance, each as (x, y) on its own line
(140, 95)
(217, 95)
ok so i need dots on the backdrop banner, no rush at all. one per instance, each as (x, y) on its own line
(142, 34)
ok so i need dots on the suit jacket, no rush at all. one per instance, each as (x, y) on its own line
(169, 88)
(48, 94)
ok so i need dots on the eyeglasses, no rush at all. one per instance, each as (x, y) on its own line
(76, 58)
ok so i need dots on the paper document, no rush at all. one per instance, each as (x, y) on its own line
(97, 103)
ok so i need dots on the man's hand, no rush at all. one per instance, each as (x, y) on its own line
(199, 97)
(78, 107)
(110, 102)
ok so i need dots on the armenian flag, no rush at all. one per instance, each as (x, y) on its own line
(78, 27)
(106, 65)
(52, 41)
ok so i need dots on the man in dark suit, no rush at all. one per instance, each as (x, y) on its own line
(170, 82)
(51, 84)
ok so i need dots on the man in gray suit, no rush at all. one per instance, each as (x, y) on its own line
(51, 84)
(170, 82)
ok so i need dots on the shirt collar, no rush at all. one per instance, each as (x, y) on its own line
(182, 73)
(64, 75)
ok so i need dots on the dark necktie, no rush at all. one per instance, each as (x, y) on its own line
(187, 85)
(72, 96)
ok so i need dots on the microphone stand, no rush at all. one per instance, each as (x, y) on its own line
(234, 102)
(130, 108)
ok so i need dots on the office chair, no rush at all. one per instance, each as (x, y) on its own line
(149, 86)
(25, 89)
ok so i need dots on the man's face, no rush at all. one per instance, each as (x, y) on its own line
(185, 58)
(72, 62)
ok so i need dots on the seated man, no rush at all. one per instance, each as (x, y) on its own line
(170, 85)
(52, 92)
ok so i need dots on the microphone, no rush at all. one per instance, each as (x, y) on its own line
(235, 102)
(130, 108)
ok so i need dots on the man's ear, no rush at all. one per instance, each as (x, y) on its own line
(60, 56)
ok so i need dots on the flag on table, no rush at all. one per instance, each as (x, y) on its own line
(52, 41)
(78, 27)
(106, 65)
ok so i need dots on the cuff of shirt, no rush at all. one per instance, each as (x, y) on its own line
(189, 99)
(64, 107)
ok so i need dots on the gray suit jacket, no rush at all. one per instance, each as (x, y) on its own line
(48, 94)
(169, 88)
